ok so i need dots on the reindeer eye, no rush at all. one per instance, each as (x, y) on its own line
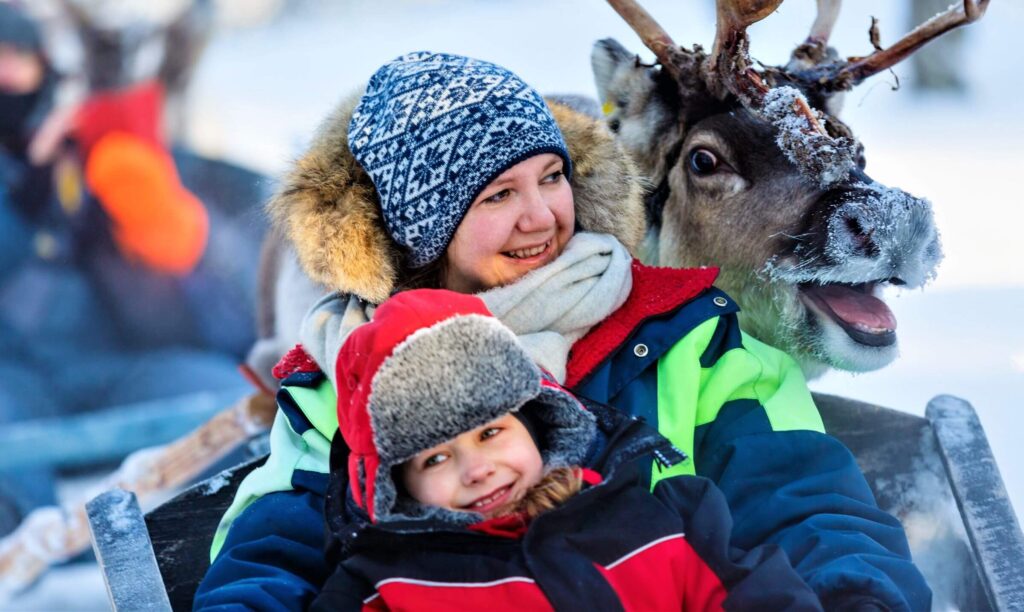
(703, 162)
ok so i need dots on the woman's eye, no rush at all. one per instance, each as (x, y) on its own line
(490, 432)
(433, 460)
(498, 197)
(553, 177)
(703, 162)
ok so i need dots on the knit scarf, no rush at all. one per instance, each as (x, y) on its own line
(548, 309)
(552, 307)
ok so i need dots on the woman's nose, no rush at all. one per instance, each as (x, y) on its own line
(535, 215)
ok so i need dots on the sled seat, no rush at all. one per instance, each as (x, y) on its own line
(936, 473)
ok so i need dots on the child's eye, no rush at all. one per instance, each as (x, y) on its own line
(553, 177)
(490, 432)
(498, 197)
(433, 460)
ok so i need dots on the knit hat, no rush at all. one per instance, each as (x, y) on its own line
(432, 130)
(433, 364)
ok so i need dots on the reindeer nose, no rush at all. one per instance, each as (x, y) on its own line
(859, 236)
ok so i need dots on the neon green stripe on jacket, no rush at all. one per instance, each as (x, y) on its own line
(289, 451)
(690, 395)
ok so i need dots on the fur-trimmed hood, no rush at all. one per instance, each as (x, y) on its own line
(433, 364)
(327, 206)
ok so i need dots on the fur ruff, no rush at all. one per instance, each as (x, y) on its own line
(327, 206)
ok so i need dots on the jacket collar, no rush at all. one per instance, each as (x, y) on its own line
(656, 291)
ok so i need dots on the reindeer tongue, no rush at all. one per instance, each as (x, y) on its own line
(859, 310)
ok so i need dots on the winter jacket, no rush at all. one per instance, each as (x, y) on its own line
(615, 545)
(673, 355)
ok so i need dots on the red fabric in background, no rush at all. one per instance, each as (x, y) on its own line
(136, 110)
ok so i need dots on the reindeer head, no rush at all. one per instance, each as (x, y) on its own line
(747, 175)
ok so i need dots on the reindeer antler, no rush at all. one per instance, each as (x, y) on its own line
(858, 69)
(729, 63)
(653, 35)
(728, 70)
(824, 21)
(813, 71)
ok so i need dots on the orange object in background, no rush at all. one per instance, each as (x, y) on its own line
(127, 167)
(156, 220)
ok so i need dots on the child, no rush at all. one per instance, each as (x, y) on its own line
(464, 477)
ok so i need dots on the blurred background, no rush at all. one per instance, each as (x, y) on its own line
(254, 78)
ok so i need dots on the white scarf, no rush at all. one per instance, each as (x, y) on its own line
(552, 307)
(548, 309)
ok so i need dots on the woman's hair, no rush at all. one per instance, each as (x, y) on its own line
(557, 486)
(430, 276)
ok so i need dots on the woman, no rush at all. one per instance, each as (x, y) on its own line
(451, 172)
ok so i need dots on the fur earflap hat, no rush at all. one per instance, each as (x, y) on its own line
(434, 129)
(431, 365)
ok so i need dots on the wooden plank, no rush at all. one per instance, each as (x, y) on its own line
(125, 555)
(110, 434)
(184, 554)
(981, 496)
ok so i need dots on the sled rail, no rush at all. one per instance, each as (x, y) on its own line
(125, 554)
(988, 516)
(935, 471)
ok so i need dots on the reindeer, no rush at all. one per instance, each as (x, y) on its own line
(754, 172)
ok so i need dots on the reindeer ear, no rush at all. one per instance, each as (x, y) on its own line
(328, 209)
(619, 78)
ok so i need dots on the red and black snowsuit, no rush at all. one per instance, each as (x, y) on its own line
(615, 545)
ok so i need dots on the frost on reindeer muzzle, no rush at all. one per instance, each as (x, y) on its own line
(859, 239)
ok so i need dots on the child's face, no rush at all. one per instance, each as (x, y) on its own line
(482, 470)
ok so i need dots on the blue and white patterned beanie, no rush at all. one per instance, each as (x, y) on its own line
(432, 130)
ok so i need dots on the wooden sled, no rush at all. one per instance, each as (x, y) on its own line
(936, 473)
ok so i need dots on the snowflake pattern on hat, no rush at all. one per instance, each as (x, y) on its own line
(432, 130)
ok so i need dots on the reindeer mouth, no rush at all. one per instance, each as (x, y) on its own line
(865, 318)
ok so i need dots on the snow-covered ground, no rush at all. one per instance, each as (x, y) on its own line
(260, 92)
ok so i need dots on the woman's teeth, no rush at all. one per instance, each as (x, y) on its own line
(524, 253)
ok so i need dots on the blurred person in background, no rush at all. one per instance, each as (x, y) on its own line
(107, 293)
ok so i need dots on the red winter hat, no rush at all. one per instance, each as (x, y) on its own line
(431, 365)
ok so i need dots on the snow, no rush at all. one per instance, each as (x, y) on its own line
(78, 586)
(820, 157)
(260, 92)
(215, 484)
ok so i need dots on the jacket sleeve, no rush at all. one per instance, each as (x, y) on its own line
(758, 436)
(761, 579)
(272, 558)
